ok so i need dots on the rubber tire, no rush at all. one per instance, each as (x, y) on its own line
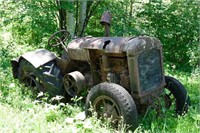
(180, 94)
(121, 97)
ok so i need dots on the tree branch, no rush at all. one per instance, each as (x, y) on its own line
(88, 17)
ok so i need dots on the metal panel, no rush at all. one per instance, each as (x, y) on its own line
(38, 57)
(133, 74)
(107, 44)
(136, 45)
(79, 54)
(86, 42)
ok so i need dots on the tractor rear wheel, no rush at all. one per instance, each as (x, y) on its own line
(28, 74)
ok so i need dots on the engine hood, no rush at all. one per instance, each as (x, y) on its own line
(130, 45)
(109, 44)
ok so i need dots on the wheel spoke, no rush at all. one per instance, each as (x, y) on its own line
(112, 107)
(168, 101)
(27, 75)
(168, 85)
(31, 82)
(169, 94)
(104, 105)
(57, 41)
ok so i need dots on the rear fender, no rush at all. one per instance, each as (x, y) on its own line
(37, 58)
(15, 65)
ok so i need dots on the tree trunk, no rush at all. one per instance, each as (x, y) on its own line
(62, 15)
(130, 12)
(82, 16)
(71, 22)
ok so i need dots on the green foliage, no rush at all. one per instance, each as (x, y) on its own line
(176, 24)
(28, 21)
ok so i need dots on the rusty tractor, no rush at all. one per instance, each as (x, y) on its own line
(121, 75)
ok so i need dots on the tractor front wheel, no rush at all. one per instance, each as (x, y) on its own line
(176, 96)
(113, 102)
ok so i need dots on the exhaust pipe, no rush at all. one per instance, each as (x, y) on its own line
(106, 20)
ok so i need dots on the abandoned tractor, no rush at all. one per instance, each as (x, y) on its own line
(122, 75)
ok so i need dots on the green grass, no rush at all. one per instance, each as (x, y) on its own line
(21, 112)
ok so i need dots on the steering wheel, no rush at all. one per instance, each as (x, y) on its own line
(58, 38)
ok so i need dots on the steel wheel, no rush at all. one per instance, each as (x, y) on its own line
(27, 75)
(107, 108)
(112, 102)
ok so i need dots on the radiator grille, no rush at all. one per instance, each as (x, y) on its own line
(150, 69)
